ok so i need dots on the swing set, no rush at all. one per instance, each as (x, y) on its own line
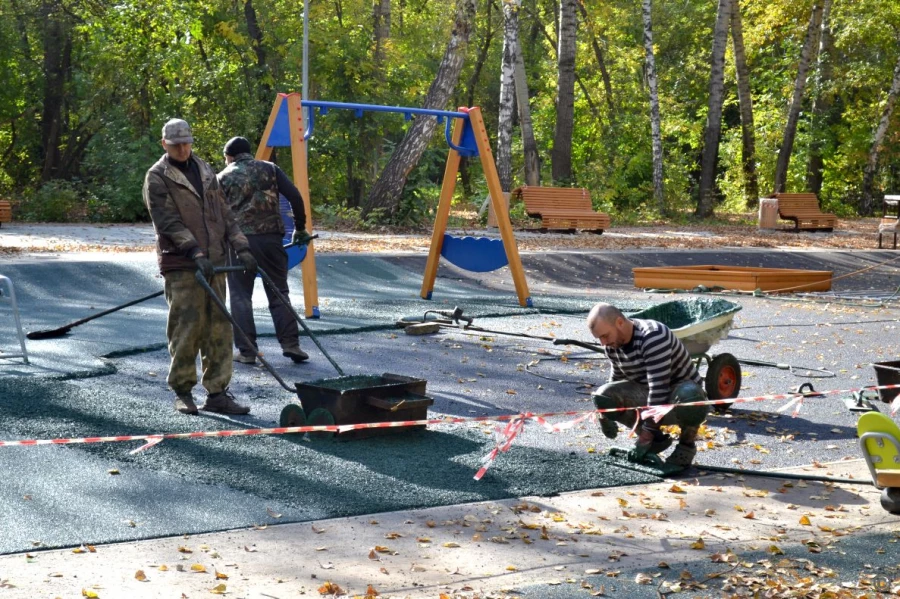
(466, 136)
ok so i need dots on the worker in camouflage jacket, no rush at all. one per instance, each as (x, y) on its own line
(193, 227)
(252, 189)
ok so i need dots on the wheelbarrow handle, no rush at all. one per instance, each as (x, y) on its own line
(218, 301)
(591, 346)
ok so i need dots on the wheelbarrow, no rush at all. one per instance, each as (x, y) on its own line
(344, 399)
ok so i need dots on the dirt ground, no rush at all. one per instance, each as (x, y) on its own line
(859, 234)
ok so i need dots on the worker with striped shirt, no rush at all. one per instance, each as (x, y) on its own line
(650, 366)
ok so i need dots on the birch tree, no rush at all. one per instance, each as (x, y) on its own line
(866, 202)
(710, 157)
(745, 103)
(507, 96)
(807, 55)
(561, 157)
(386, 192)
(655, 125)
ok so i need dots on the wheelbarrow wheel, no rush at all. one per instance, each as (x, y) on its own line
(320, 417)
(890, 499)
(723, 380)
(292, 415)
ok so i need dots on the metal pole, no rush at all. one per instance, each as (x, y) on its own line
(305, 71)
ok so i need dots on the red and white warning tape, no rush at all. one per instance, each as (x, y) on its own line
(505, 435)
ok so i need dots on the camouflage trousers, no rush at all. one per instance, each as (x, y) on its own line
(196, 325)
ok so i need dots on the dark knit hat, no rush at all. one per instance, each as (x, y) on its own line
(237, 145)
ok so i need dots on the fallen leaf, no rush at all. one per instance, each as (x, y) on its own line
(198, 568)
(675, 489)
(329, 588)
(113, 471)
(183, 549)
(140, 576)
(451, 545)
(642, 578)
(221, 576)
(89, 593)
(804, 520)
(164, 568)
(698, 544)
(219, 589)
(272, 513)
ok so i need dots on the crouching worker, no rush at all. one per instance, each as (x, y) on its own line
(650, 367)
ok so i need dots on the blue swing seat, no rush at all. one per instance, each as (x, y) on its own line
(475, 254)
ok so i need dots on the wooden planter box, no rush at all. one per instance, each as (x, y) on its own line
(743, 278)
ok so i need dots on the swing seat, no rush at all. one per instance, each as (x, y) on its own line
(475, 254)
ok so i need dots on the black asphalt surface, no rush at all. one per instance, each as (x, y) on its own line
(62, 496)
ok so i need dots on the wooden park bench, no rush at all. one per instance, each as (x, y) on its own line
(5, 212)
(566, 208)
(803, 209)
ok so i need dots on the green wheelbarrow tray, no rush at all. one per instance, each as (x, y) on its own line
(699, 323)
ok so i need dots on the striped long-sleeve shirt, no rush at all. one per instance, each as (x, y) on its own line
(654, 357)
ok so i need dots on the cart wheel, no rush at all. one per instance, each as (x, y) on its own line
(723, 379)
(292, 415)
(890, 499)
(320, 417)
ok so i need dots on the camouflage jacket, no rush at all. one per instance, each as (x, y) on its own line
(251, 190)
(184, 221)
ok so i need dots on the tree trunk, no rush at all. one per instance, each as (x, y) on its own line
(263, 88)
(529, 144)
(561, 157)
(601, 62)
(57, 44)
(386, 192)
(866, 202)
(655, 125)
(503, 155)
(790, 129)
(483, 51)
(381, 14)
(745, 101)
(709, 158)
(822, 116)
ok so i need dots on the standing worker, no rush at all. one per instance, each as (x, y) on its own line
(193, 225)
(252, 189)
(650, 367)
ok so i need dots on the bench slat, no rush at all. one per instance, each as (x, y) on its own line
(5, 211)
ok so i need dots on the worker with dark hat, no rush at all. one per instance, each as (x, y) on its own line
(252, 188)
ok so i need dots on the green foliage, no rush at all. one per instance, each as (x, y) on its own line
(136, 63)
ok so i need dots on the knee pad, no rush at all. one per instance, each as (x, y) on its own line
(687, 392)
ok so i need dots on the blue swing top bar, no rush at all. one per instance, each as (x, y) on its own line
(280, 136)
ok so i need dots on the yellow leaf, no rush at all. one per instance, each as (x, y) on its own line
(423, 539)
(198, 568)
(804, 520)
(219, 589)
(382, 549)
(221, 576)
(675, 489)
(113, 471)
(451, 545)
(511, 568)
(140, 576)
(392, 535)
(164, 568)
(88, 593)
(183, 549)
(329, 588)
(775, 550)
(622, 502)
(698, 544)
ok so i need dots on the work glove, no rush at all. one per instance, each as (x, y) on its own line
(204, 265)
(642, 446)
(301, 237)
(249, 262)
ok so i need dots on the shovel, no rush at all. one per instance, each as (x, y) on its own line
(59, 332)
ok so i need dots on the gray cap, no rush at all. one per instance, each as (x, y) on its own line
(177, 131)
